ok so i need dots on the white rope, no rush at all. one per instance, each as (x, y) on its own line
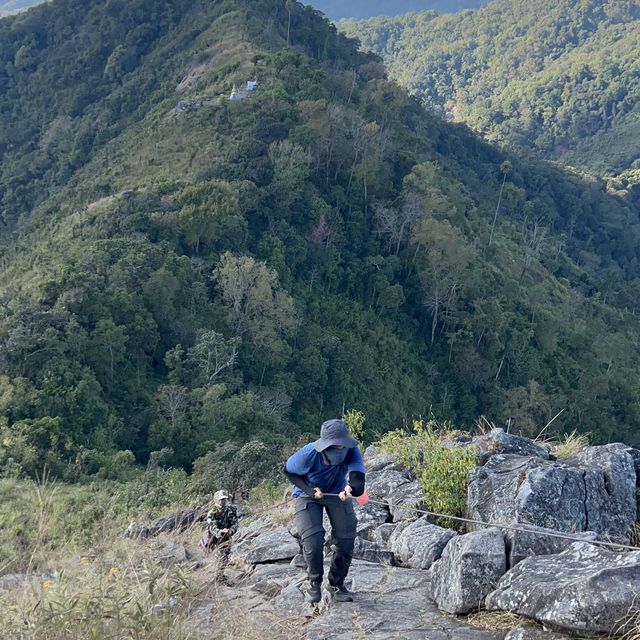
(510, 527)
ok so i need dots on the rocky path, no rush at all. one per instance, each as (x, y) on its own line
(389, 602)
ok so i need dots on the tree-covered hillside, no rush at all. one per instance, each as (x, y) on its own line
(561, 77)
(338, 9)
(183, 271)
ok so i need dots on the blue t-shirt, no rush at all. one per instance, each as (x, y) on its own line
(310, 464)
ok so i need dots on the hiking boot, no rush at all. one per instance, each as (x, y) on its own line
(313, 593)
(340, 594)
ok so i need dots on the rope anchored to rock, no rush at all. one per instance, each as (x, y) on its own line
(365, 499)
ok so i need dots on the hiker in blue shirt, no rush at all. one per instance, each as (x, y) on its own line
(319, 468)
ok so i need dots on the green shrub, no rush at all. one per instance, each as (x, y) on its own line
(442, 471)
(355, 421)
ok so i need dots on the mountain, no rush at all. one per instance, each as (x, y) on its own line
(337, 10)
(558, 77)
(185, 273)
(7, 7)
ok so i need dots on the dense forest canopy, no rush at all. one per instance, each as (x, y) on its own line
(338, 9)
(213, 278)
(560, 77)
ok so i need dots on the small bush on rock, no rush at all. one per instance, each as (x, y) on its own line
(442, 470)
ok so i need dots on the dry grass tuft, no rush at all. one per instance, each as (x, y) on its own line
(496, 620)
(630, 626)
(124, 593)
(572, 444)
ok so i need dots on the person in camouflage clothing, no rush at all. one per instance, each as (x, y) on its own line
(222, 523)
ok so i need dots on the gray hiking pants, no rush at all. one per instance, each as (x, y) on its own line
(343, 533)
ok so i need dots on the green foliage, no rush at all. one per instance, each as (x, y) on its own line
(442, 470)
(564, 86)
(236, 468)
(42, 517)
(238, 272)
(355, 421)
(119, 595)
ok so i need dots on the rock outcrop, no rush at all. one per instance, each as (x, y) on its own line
(389, 603)
(419, 544)
(594, 491)
(498, 441)
(468, 570)
(266, 546)
(394, 487)
(584, 589)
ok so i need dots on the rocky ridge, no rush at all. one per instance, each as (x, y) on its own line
(414, 579)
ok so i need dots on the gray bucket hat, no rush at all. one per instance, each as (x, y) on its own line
(334, 433)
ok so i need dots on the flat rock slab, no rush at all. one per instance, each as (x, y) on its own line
(270, 546)
(583, 589)
(389, 603)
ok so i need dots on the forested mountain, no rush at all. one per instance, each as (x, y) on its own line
(337, 9)
(182, 270)
(561, 77)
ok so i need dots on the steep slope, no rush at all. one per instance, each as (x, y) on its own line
(336, 9)
(184, 271)
(561, 78)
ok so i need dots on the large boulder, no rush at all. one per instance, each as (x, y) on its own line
(405, 501)
(396, 489)
(610, 482)
(370, 517)
(592, 492)
(538, 541)
(383, 483)
(583, 589)
(499, 441)
(376, 460)
(468, 570)
(268, 546)
(419, 544)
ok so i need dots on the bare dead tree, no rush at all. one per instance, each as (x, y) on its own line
(396, 222)
(535, 237)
